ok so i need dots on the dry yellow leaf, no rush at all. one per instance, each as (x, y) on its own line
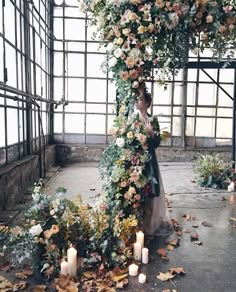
(178, 270)
(117, 278)
(89, 275)
(20, 286)
(39, 288)
(21, 275)
(122, 284)
(170, 247)
(165, 276)
(5, 285)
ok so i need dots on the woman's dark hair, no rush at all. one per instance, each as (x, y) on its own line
(147, 97)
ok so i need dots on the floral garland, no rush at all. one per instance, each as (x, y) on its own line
(146, 34)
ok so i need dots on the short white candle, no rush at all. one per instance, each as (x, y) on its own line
(142, 278)
(72, 261)
(145, 253)
(133, 270)
(64, 268)
(140, 238)
(231, 187)
(137, 251)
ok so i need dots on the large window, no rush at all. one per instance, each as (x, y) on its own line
(196, 111)
(24, 77)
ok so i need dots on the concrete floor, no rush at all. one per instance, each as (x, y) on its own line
(210, 267)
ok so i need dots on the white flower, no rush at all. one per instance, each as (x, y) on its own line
(112, 62)
(120, 142)
(118, 53)
(45, 266)
(52, 212)
(35, 230)
(135, 84)
(110, 47)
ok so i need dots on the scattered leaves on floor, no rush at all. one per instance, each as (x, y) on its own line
(188, 217)
(206, 224)
(175, 224)
(65, 284)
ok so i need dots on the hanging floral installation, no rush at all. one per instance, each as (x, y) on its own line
(145, 40)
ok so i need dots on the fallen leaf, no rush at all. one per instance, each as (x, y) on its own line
(165, 276)
(198, 242)
(122, 284)
(232, 219)
(221, 199)
(169, 194)
(187, 231)
(179, 232)
(92, 190)
(189, 217)
(21, 276)
(39, 288)
(195, 226)
(117, 278)
(234, 226)
(194, 237)
(5, 285)
(20, 286)
(178, 271)
(5, 266)
(28, 271)
(162, 252)
(193, 181)
(170, 247)
(166, 290)
(206, 224)
(174, 242)
(89, 275)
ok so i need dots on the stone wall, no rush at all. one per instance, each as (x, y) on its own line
(16, 177)
(69, 153)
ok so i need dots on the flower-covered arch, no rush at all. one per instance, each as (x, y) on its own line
(144, 34)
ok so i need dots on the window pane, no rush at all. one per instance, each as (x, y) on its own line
(95, 124)
(75, 34)
(1, 59)
(96, 90)
(74, 123)
(205, 127)
(58, 28)
(57, 123)
(75, 89)
(11, 65)
(58, 64)
(58, 91)
(75, 65)
(94, 65)
(12, 126)
(9, 19)
(224, 128)
(2, 127)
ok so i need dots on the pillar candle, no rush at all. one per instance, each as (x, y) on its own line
(133, 270)
(142, 278)
(140, 238)
(137, 251)
(72, 261)
(64, 267)
(145, 253)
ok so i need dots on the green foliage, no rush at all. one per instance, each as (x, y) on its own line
(213, 171)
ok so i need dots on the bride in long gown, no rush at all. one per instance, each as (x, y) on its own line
(155, 219)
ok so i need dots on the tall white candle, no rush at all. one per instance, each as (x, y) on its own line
(64, 267)
(133, 270)
(145, 254)
(142, 278)
(140, 238)
(137, 251)
(72, 261)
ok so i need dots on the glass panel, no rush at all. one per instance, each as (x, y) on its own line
(75, 107)
(211, 72)
(58, 2)
(190, 127)
(58, 11)
(75, 89)
(94, 63)
(224, 128)
(38, 81)
(58, 64)
(176, 126)
(205, 127)
(21, 129)
(160, 95)
(207, 94)
(12, 126)
(2, 127)
(58, 45)
(11, 65)
(75, 65)
(225, 112)
(227, 75)
(191, 94)
(192, 74)
(1, 59)
(110, 120)
(95, 124)
(73, 12)
(74, 123)
(95, 47)
(58, 91)
(75, 34)
(111, 92)
(206, 111)
(9, 19)
(96, 90)
(71, 2)
(96, 108)
(76, 46)
(224, 99)
(58, 28)
(1, 18)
